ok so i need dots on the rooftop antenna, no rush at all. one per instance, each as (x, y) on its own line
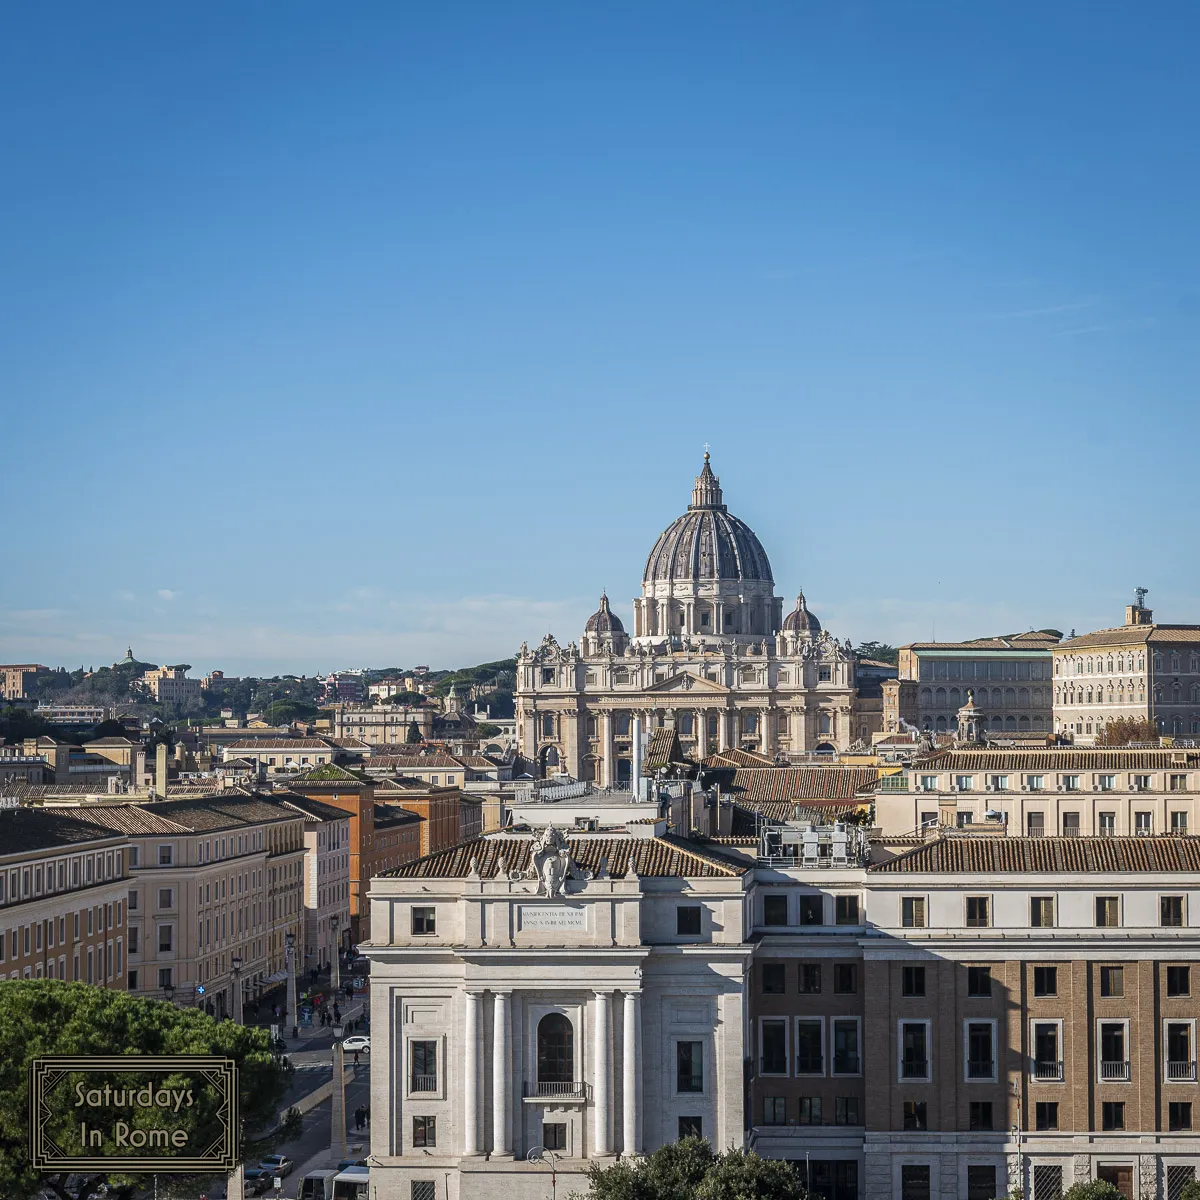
(1140, 594)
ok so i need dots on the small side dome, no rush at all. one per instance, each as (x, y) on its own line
(800, 620)
(604, 620)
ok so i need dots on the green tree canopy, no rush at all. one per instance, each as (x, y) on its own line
(1093, 1189)
(406, 699)
(284, 712)
(1191, 1191)
(690, 1170)
(414, 733)
(879, 651)
(486, 729)
(47, 1017)
(1124, 730)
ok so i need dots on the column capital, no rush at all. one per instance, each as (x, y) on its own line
(505, 992)
(603, 993)
(632, 993)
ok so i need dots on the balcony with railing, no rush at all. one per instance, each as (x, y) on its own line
(555, 1091)
(1114, 1072)
(1181, 1071)
(423, 1083)
(1048, 1072)
(981, 1068)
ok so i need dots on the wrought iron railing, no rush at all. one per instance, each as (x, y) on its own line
(1048, 1072)
(1114, 1071)
(575, 1091)
(1181, 1071)
(424, 1083)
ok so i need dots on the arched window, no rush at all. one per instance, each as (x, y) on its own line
(713, 724)
(955, 698)
(1158, 662)
(997, 722)
(1023, 697)
(941, 724)
(1010, 722)
(1120, 664)
(1089, 666)
(555, 1049)
(1174, 663)
(939, 698)
(926, 696)
(1109, 665)
(1089, 695)
(685, 724)
(621, 724)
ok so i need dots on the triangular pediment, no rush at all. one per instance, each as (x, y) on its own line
(685, 681)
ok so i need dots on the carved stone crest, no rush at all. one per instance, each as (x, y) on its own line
(551, 864)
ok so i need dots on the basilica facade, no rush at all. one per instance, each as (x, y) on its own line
(711, 655)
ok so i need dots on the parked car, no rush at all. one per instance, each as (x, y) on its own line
(357, 1042)
(277, 1164)
(256, 1180)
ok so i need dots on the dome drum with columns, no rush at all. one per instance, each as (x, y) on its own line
(711, 656)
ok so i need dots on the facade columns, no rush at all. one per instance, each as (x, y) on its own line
(701, 725)
(471, 1075)
(766, 740)
(602, 1141)
(631, 1079)
(608, 771)
(501, 1078)
(722, 730)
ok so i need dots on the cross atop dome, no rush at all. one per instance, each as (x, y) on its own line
(707, 492)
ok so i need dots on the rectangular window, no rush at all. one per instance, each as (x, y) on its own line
(980, 1038)
(979, 981)
(929, 783)
(1047, 1182)
(845, 1111)
(424, 920)
(691, 1127)
(981, 1182)
(915, 1115)
(775, 910)
(1035, 824)
(774, 1048)
(912, 912)
(980, 1114)
(811, 910)
(1114, 1064)
(810, 1110)
(846, 1060)
(554, 1135)
(845, 979)
(424, 1131)
(1181, 1065)
(687, 920)
(1108, 912)
(166, 897)
(774, 1110)
(1112, 981)
(1106, 783)
(1178, 783)
(1041, 912)
(166, 938)
(1045, 981)
(914, 1181)
(689, 1066)
(1112, 1115)
(1179, 822)
(134, 932)
(1045, 1116)
(914, 1049)
(774, 977)
(422, 1061)
(810, 979)
(978, 912)
(1179, 981)
(846, 910)
(1179, 1116)
(810, 1057)
(1108, 824)
(912, 982)
(1070, 824)
(166, 856)
(1143, 823)
(1035, 783)
(1170, 911)
(999, 783)
(1070, 783)
(1047, 1061)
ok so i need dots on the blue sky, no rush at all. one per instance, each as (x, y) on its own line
(390, 333)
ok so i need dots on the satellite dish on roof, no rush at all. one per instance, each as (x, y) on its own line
(994, 814)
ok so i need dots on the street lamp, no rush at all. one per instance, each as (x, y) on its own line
(338, 1115)
(335, 967)
(539, 1154)
(236, 963)
(290, 939)
(169, 992)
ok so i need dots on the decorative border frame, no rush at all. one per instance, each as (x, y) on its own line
(46, 1155)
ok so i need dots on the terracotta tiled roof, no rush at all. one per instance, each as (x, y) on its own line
(283, 743)
(1065, 759)
(316, 810)
(393, 814)
(187, 816)
(736, 757)
(24, 830)
(1030, 640)
(662, 750)
(330, 773)
(789, 784)
(434, 761)
(1078, 855)
(1133, 635)
(661, 856)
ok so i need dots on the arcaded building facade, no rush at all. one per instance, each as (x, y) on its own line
(711, 655)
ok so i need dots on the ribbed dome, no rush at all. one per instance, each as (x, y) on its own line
(800, 620)
(604, 620)
(707, 542)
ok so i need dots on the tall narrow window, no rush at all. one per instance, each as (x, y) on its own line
(555, 1050)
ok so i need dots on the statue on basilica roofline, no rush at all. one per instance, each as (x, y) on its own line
(551, 864)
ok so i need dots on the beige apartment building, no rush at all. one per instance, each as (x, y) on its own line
(170, 685)
(210, 879)
(1047, 792)
(64, 884)
(1138, 670)
(13, 678)
(1009, 676)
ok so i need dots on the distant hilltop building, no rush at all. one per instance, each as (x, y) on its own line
(170, 685)
(712, 656)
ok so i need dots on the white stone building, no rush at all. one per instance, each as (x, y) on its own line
(712, 655)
